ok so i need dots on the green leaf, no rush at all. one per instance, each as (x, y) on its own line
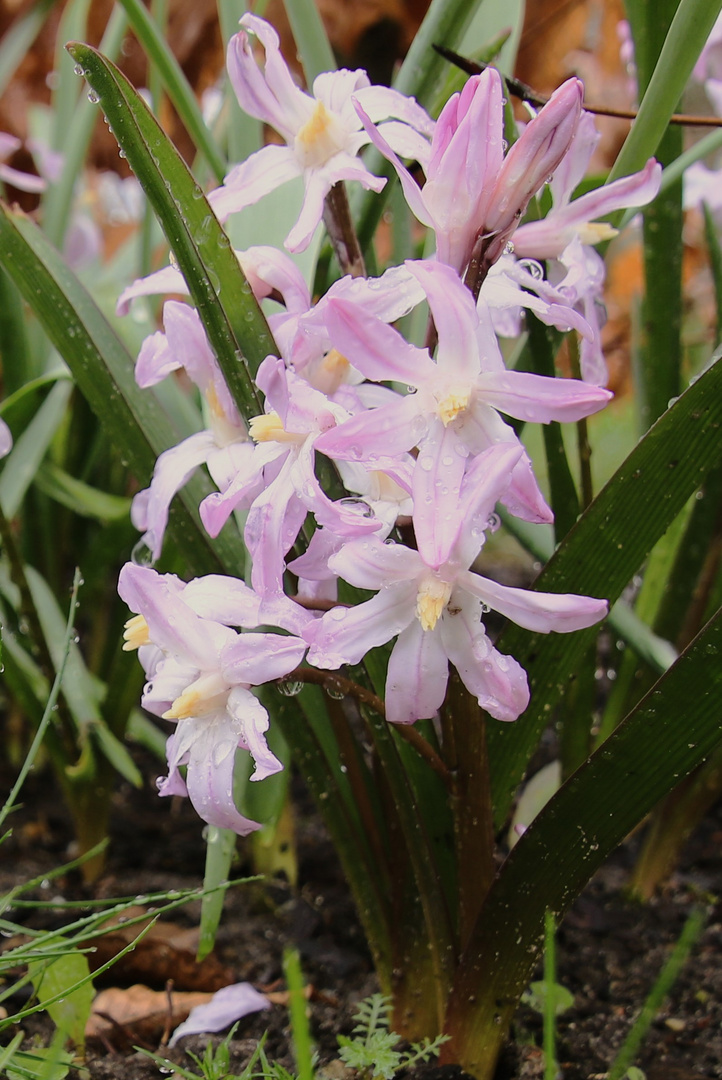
(79, 497)
(175, 83)
(103, 369)
(220, 848)
(18, 39)
(310, 37)
(234, 323)
(600, 555)
(74, 130)
(689, 31)
(45, 1063)
(536, 997)
(30, 449)
(645, 757)
(71, 1011)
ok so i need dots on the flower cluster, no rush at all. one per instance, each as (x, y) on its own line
(420, 437)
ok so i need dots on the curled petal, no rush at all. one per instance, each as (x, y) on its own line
(225, 1007)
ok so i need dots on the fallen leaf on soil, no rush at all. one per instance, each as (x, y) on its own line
(168, 951)
(139, 1013)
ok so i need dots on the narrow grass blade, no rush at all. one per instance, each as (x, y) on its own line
(176, 85)
(18, 39)
(601, 554)
(689, 31)
(575, 832)
(234, 323)
(103, 370)
(311, 38)
(691, 932)
(52, 700)
(300, 1029)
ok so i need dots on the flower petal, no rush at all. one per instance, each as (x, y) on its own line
(417, 675)
(225, 1007)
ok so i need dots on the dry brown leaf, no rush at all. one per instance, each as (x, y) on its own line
(167, 952)
(139, 1013)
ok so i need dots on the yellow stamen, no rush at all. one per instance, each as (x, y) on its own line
(208, 692)
(594, 232)
(449, 407)
(269, 428)
(136, 633)
(331, 372)
(319, 139)
(432, 598)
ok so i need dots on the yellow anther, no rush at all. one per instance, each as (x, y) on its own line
(331, 372)
(208, 692)
(136, 633)
(450, 406)
(594, 232)
(269, 428)
(319, 139)
(432, 598)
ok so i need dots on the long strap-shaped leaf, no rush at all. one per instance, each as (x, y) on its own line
(175, 83)
(103, 370)
(601, 554)
(672, 730)
(233, 321)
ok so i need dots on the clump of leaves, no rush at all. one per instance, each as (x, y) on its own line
(372, 1049)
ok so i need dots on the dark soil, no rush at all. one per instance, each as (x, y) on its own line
(610, 950)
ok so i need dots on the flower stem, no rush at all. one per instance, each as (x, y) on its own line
(341, 231)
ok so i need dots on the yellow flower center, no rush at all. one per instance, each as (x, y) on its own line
(331, 372)
(269, 428)
(432, 598)
(208, 692)
(594, 232)
(319, 139)
(136, 633)
(454, 403)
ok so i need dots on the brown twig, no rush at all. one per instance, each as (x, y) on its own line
(529, 95)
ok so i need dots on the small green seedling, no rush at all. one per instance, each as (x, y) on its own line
(371, 1050)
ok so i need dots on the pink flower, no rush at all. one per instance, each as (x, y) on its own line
(471, 189)
(322, 132)
(455, 409)
(434, 603)
(200, 675)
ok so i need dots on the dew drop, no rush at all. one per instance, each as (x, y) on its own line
(289, 687)
(141, 555)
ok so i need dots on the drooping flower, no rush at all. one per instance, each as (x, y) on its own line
(472, 190)
(323, 135)
(200, 672)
